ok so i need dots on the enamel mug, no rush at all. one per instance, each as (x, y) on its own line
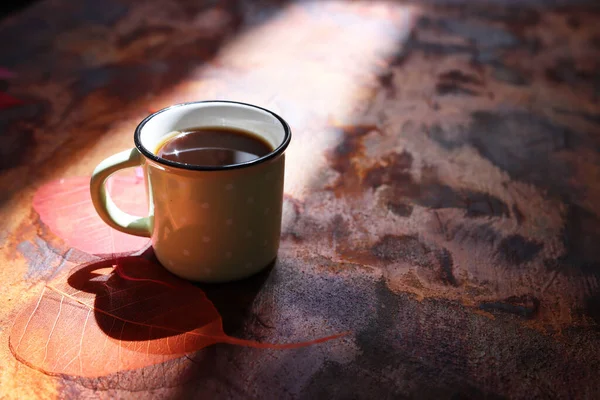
(206, 223)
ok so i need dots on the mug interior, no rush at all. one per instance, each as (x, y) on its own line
(261, 122)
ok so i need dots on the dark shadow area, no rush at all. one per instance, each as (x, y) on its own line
(121, 299)
(141, 301)
(10, 7)
(234, 300)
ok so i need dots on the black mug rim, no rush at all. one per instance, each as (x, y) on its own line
(273, 154)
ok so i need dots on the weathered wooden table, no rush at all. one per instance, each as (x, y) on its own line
(442, 188)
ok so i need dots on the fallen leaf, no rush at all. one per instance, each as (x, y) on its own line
(96, 320)
(117, 314)
(65, 206)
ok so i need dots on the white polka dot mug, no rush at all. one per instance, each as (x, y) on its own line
(206, 223)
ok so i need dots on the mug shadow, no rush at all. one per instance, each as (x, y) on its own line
(234, 300)
(139, 300)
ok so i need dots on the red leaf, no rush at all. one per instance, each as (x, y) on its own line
(66, 207)
(94, 322)
(7, 101)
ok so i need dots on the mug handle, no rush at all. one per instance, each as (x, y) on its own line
(105, 207)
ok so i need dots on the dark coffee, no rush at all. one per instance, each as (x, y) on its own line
(213, 146)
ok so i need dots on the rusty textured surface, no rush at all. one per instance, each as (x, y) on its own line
(442, 189)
